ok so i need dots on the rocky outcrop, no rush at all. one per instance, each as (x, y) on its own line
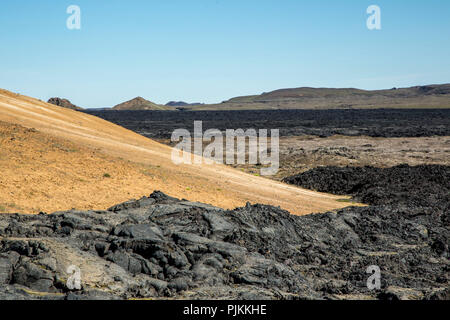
(63, 103)
(163, 247)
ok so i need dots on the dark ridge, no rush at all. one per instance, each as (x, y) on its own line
(424, 185)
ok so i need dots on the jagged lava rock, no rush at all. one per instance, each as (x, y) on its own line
(164, 247)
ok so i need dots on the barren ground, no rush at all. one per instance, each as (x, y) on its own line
(298, 154)
(45, 173)
(301, 153)
(120, 150)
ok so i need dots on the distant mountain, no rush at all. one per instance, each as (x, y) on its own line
(140, 103)
(182, 104)
(430, 96)
(63, 103)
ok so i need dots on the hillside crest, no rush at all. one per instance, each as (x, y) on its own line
(139, 103)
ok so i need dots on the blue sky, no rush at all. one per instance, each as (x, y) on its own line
(212, 50)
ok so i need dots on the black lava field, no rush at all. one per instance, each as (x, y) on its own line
(424, 185)
(323, 123)
(161, 247)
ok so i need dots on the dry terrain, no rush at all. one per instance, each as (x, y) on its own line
(41, 172)
(302, 153)
(120, 155)
(159, 247)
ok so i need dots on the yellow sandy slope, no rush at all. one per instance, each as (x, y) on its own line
(75, 160)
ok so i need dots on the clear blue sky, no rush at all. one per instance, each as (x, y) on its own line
(212, 50)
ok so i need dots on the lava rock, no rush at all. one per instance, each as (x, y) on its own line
(161, 247)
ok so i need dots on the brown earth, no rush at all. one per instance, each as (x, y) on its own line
(298, 154)
(301, 153)
(45, 173)
(66, 164)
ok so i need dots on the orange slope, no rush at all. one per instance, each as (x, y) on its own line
(215, 184)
